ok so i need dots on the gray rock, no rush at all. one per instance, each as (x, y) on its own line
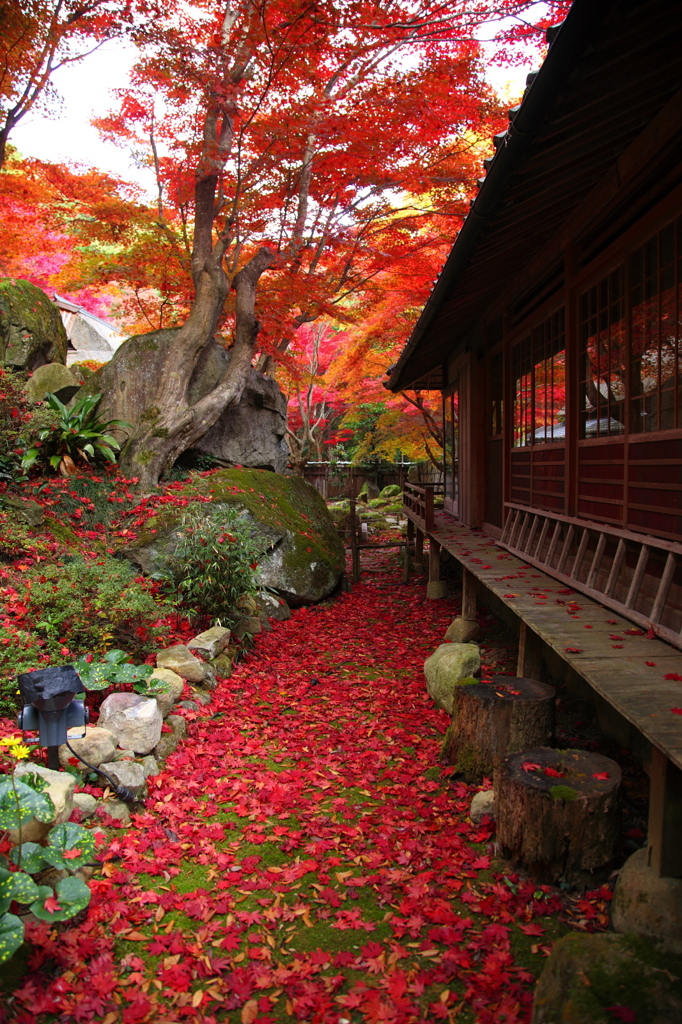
(250, 624)
(52, 378)
(178, 725)
(391, 491)
(117, 809)
(586, 974)
(301, 555)
(134, 720)
(447, 665)
(222, 666)
(644, 904)
(127, 773)
(24, 509)
(174, 685)
(96, 746)
(202, 696)
(150, 766)
(209, 644)
(250, 433)
(85, 803)
(179, 659)
(167, 745)
(210, 681)
(462, 631)
(60, 789)
(124, 755)
(482, 804)
(31, 329)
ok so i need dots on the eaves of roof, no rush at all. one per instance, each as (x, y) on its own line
(567, 44)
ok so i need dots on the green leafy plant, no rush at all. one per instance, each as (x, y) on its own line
(13, 414)
(213, 566)
(114, 670)
(77, 433)
(69, 848)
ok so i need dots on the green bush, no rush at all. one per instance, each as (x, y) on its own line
(90, 606)
(77, 433)
(214, 564)
(13, 414)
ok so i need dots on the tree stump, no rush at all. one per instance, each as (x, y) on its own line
(491, 720)
(558, 813)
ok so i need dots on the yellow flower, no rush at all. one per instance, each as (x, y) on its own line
(10, 741)
(20, 751)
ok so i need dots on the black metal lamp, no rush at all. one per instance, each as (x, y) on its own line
(49, 707)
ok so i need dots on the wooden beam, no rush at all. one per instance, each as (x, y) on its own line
(419, 549)
(469, 588)
(665, 816)
(529, 663)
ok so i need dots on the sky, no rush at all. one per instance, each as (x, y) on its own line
(86, 90)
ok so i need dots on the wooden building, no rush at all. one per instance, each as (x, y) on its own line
(555, 336)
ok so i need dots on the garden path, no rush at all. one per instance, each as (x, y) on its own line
(305, 856)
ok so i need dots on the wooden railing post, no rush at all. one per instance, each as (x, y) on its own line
(435, 588)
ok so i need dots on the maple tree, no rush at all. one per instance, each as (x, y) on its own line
(264, 139)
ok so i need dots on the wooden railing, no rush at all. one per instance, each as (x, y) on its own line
(638, 575)
(418, 504)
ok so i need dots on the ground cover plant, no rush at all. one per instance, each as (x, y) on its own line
(305, 856)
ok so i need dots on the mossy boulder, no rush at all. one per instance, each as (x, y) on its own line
(390, 491)
(31, 329)
(599, 979)
(54, 379)
(301, 553)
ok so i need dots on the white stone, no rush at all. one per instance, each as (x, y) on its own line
(96, 746)
(645, 904)
(60, 787)
(126, 773)
(85, 803)
(135, 721)
(173, 692)
(447, 665)
(483, 804)
(462, 631)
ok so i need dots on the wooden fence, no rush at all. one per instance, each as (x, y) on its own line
(343, 480)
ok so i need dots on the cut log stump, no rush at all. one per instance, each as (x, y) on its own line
(558, 813)
(491, 720)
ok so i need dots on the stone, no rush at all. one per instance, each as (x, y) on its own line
(209, 644)
(273, 607)
(222, 666)
(644, 904)
(150, 766)
(27, 511)
(125, 755)
(127, 773)
(202, 697)
(134, 720)
(60, 789)
(587, 977)
(31, 329)
(462, 631)
(179, 659)
(210, 681)
(250, 624)
(167, 745)
(390, 491)
(96, 746)
(300, 552)
(85, 803)
(250, 433)
(174, 685)
(436, 590)
(370, 489)
(117, 809)
(448, 664)
(178, 725)
(482, 804)
(52, 378)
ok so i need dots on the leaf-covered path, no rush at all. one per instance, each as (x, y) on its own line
(305, 856)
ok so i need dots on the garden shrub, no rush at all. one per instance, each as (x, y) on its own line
(13, 414)
(89, 606)
(213, 565)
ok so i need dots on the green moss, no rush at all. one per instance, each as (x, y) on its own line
(563, 793)
(150, 414)
(468, 681)
(31, 328)
(471, 765)
(160, 432)
(145, 456)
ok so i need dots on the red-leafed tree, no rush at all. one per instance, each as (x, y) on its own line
(285, 134)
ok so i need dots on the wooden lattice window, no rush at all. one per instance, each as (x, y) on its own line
(603, 358)
(539, 375)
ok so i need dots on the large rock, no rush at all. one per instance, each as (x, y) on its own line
(250, 433)
(482, 805)
(448, 664)
(644, 904)
(96, 746)
(127, 773)
(179, 659)
(602, 978)
(134, 720)
(31, 329)
(462, 631)
(60, 788)
(52, 378)
(301, 554)
(174, 685)
(209, 644)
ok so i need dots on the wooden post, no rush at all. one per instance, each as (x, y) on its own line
(665, 816)
(435, 588)
(419, 549)
(408, 548)
(469, 585)
(529, 664)
(355, 554)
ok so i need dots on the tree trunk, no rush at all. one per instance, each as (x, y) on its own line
(561, 825)
(159, 441)
(491, 720)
